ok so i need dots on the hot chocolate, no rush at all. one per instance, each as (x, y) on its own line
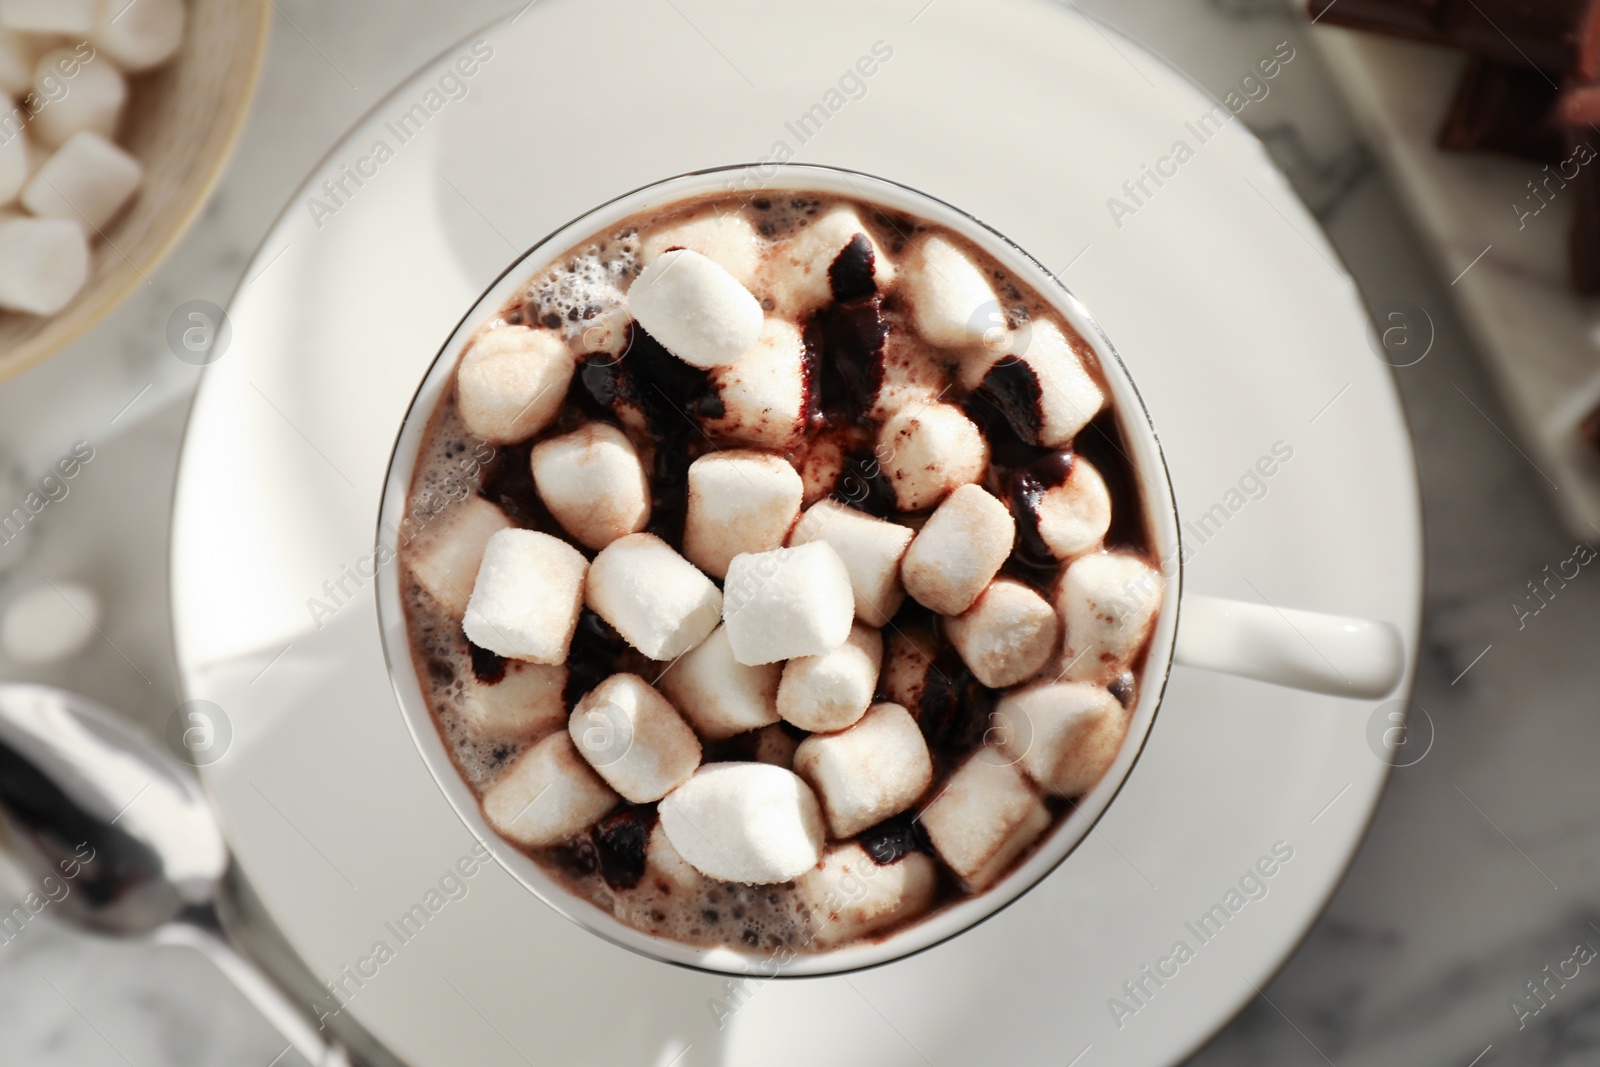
(808, 585)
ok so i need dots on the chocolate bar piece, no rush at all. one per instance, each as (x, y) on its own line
(1589, 428)
(1579, 107)
(1423, 19)
(1577, 114)
(1556, 36)
(1561, 36)
(1585, 192)
(1504, 108)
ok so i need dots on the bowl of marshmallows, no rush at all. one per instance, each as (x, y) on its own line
(116, 120)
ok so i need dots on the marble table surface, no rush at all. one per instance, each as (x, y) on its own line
(1479, 875)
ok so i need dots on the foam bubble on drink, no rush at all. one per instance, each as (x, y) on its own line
(579, 296)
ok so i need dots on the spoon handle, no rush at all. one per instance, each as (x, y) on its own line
(286, 1015)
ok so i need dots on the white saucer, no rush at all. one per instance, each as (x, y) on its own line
(1222, 297)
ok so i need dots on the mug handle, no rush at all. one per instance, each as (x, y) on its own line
(1331, 654)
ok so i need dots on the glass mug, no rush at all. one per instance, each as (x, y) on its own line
(1305, 650)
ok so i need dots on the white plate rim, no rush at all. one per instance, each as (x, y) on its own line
(1410, 631)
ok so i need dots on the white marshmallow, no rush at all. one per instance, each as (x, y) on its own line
(139, 34)
(796, 273)
(719, 695)
(1109, 602)
(94, 100)
(763, 392)
(48, 16)
(665, 865)
(871, 549)
(548, 795)
(986, 816)
(927, 450)
(526, 598)
(512, 382)
(874, 769)
(656, 599)
(43, 264)
(634, 738)
(449, 550)
(787, 602)
(908, 658)
(606, 333)
(821, 463)
(87, 181)
(696, 309)
(49, 623)
(1073, 517)
(851, 896)
(739, 501)
(832, 690)
(745, 822)
(17, 54)
(1041, 384)
(775, 745)
(16, 161)
(727, 239)
(527, 703)
(1064, 734)
(960, 548)
(593, 482)
(1007, 635)
(953, 304)
(914, 375)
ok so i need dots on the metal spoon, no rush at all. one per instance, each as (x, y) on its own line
(113, 835)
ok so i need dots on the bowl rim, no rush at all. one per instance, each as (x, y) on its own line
(48, 342)
(1044, 856)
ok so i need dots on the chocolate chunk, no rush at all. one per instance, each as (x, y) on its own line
(851, 275)
(1006, 448)
(577, 857)
(863, 485)
(1501, 107)
(1031, 560)
(1102, 444)
(489, 667)
(893, 838)
(507, 480)
(954, 710)
(619, 844)
(845, 343)
(1124, 687)
(596, 651)
(740, 748)
(667, 390)
(669, 486)
(1014, 390)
